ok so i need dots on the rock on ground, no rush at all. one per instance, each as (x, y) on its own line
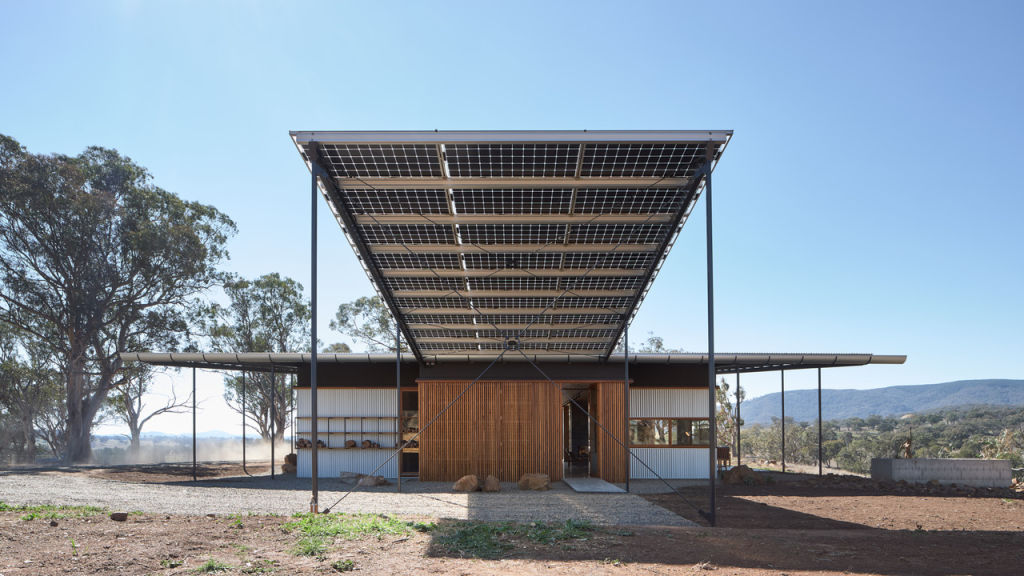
(491, 484)
(742, 474)
(468, 483)
(535, 481)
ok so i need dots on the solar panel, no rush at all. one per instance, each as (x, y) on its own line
(368, 201)
(511, 160)
(380, 160)
(513, 201)
(476, 238)
(633, 160)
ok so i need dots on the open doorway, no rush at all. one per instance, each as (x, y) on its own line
(578, 454)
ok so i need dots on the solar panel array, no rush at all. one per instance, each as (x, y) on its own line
(473, 263)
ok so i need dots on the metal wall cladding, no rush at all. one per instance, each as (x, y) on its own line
(670, 463)
(349, 414)
(668, 403)
(333, 462)
(348, 402)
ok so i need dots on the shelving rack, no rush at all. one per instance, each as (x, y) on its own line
(362, 433)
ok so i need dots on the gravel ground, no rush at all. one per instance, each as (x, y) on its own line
(287, 495)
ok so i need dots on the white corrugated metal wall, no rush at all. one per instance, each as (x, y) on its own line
(669, 403)
(355, 414)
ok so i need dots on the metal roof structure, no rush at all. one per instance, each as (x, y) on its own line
(725, 363)
(541, 241)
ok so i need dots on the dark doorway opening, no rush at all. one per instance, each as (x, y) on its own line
(577, 442)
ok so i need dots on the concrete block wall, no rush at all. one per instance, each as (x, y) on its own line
(961, 471)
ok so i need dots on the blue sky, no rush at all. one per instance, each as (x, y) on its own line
(869, 201)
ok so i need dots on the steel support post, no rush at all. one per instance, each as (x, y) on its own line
(273, 416)
(398, 398)
(193, 424)
(738, 425)
(819, 421)
(783, 395)
(712, 456)
(243, 424)
(625, 337)
(314, 503)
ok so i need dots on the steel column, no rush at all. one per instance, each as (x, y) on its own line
(819, 421)
(738, 421)
(713, 443)
(314, 503)
(783, 395)
(398, 397)
(243, 424)
(625, 336)
(273, 416)
(193, 424)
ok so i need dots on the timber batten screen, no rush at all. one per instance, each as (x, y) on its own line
(502, 428)
(545, 242)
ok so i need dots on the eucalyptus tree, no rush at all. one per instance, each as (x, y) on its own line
(96, 260)
(129, 402)
(368, 320)
(29, 385)
(268, 314)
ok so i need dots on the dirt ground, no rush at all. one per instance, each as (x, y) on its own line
(155, 473)
(797, 525)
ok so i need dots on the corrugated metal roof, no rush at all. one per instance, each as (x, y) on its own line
(541, 241)
(725, 363)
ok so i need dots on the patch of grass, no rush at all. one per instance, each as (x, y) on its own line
(348, 526)
(424, 526)
(494, 539)
(310, 545)
(211, 566)
(475, 539)
(343, 565)
(74, 548)
(52, 512)
(543, 533)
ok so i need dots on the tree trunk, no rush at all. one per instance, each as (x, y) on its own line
(29, 433)
(79, 445)
(136, 443)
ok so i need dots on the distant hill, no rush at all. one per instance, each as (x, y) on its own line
(802, 405)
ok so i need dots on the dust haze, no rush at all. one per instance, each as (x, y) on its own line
(113, 451)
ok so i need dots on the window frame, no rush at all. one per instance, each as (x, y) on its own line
(672, 431)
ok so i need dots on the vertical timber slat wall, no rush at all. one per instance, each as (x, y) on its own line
(611, 412)
(503, 428)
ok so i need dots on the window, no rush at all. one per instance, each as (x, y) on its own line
(668, 432)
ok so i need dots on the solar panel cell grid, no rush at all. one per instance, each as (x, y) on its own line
(512, 233)
(513, 260)
(381, 160)
(628, 201)
(511, 160)
(512, 201)
(416, 261)
(617, 233)
(426, 283)
(485, 320)
(625, 260)
(369, 201)
(407, 234)
(642, 160)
